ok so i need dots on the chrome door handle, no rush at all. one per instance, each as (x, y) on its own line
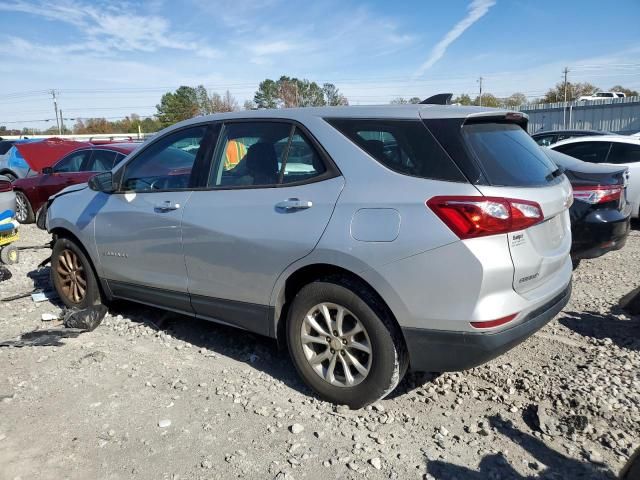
(294, 204)
(167, 206)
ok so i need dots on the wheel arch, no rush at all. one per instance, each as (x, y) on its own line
(296, 279)
(62, 232)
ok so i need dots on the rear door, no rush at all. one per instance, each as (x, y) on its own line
(269, 197)
(513, 166)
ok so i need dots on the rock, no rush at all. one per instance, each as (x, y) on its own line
(376, 463)
(595, 457)
(206, 464)
(164, 423)
(443, 431)
(296, 428)
(546, 420)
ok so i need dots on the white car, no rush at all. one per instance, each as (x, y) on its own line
(613, 150)
(601, 96)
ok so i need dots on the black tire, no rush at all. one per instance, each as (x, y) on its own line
(63, 250)
(575, 263)
(24, 214)
(389, 359)
(9, 255)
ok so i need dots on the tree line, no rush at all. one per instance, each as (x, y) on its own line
(285, 92)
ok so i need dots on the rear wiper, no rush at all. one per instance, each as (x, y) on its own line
(556, 173)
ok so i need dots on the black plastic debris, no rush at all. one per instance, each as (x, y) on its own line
(5, 273)
(87, 319)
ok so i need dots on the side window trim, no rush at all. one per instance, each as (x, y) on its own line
(122, 167)
(285, 157)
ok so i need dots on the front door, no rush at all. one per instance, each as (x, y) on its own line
(138, 229)
(270, 196)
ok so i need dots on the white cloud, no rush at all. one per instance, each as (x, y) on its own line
(107, 29)
(477, 10)
(271, 48)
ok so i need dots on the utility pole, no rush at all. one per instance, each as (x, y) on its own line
(55, 106)
(564, 110)
(480, 96)
(61, 123)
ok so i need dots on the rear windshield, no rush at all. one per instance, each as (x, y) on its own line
(508, 156)
(404, 146)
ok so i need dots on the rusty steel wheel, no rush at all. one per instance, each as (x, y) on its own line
(73, 278)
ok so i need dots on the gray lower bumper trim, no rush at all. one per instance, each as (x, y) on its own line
(447, 351)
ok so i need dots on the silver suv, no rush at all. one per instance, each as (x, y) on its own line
(366, 239)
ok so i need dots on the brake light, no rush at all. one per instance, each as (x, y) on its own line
(471, 217)
(494, 323)
(5, 186)
(598, 194)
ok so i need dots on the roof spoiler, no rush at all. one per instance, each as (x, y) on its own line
(438, 99)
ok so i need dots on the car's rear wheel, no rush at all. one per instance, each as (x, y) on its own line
(344, 343)
(24, 212)
(72, 275)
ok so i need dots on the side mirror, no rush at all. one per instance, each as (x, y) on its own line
(102, 182)
(47, 170)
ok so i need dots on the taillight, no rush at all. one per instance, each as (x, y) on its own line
(5, 186)
(598, 194)
(470, 217)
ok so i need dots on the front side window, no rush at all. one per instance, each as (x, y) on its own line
(250, 154)
(404, 146)
(624, 153)
(165, 164)
(72, 162)
(592, 152)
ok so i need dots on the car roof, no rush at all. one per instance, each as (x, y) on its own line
(122, 147)
(413, 111)
(548, 132)
(600, 138)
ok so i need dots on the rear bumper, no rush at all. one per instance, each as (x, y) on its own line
(601, 231)
(446, 351)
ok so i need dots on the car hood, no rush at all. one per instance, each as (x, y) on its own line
(69, 189)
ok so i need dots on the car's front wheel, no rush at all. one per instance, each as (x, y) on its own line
(343, 342)
(72, 275)
(24, 212)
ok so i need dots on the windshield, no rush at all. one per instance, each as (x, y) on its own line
(507, 155)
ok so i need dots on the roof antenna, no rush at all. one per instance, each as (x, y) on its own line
(438, 99)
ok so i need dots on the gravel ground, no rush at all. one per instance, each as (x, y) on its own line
(156, 395)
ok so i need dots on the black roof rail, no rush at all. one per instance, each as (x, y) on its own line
(438, 99)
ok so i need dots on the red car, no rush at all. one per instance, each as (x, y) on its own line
(76, 167)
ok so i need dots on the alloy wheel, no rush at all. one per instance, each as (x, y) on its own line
(73, 279)
(21, 209)
(336, 345)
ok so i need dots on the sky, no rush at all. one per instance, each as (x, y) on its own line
(111, 59)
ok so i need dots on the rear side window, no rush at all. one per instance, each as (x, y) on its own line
(101, 161)
(624, 153)
(404, 146)
(507, 155)
(592, 152)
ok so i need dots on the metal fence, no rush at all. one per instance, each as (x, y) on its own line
(617, 115)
